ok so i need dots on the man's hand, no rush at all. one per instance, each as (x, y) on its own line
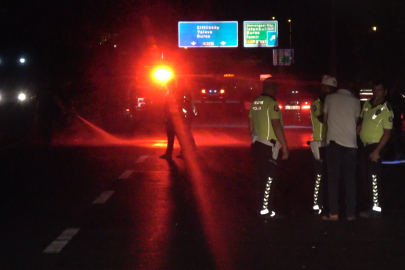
(285, 152)
(374, 156)
(358, 129)
(279, 132)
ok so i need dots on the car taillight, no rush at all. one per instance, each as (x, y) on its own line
(306, 106)
(203, 91)
(222, 91)
(280, 106)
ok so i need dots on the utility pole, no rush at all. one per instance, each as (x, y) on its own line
(289, 21)
(333, 41)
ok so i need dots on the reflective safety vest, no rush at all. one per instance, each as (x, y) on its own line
(262, 111)
(318, 128)
(375, 120)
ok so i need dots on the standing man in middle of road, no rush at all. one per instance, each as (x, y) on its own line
(266, 129)
(179, 110)
(341, 111)
(318, 143)
(375, 127)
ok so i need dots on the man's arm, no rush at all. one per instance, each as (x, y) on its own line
(316, 111)
(320, 118)
(325, 117)
(278, 130)
(375, 155)
(359, 125)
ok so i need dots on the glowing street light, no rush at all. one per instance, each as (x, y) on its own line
(22, 60)
(374, 28)
(289, 21)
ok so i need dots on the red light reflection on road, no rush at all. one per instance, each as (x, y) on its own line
(298, 137)
(95, 136)
(153, 224)
(215, 237)
(159, 218)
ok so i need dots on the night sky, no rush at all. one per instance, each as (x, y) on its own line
(57, 31)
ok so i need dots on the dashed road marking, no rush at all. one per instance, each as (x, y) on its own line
(141, 159)
(125, 174)
(213, 101)
(103, 197)
(60, 242)
(232, 101)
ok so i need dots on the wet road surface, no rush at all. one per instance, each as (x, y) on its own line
(99, 201)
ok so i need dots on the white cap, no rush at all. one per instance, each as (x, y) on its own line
(329, 80)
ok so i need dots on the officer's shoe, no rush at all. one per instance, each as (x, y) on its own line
(167, 157)
(317, 210)
(266, 214)
(370, 214)
(317, 213)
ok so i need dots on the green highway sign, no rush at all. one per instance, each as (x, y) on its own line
(260, 34)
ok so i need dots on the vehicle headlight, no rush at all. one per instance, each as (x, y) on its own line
(22, 97)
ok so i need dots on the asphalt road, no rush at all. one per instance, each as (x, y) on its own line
(99, 201)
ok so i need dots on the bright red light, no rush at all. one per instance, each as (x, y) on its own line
(203, 91)
(162, 74)
(222, 91)
(280, 106)
(305, 107)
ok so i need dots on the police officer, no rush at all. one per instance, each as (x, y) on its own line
(375, 127)
(189, 111)
(179, 112)
(318, 144)
(266, 129)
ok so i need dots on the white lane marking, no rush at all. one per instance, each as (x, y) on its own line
(213, 101)
(232, 101)
(103, 197)
(60, 242)
(125, 174)
(141, 159)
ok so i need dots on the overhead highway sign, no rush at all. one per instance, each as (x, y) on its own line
(208, 34)
(260, 34)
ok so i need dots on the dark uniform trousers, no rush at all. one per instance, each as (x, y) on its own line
(265, 175)
(171, 134)
(321, 180)
(370, 188)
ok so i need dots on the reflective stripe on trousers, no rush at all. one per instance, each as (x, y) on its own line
(376, 203)
(267, 193)
(316, 191)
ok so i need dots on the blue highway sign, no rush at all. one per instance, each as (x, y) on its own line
(208, 34)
